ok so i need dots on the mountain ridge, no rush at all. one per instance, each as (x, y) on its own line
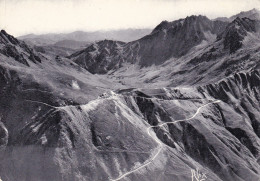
(253, 14)
(168, 39)
(172, 40)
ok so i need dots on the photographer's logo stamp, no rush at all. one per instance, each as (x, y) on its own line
(197, 175)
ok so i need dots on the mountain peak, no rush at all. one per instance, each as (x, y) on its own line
(253, 14)
(163, 25)
(3, 31)
(6, 38)
(236, 31)
(196, 17)
(16, 49)
(189, 19)
(254, 10)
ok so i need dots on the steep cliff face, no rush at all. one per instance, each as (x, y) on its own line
(236, 31)
(11, 47)
(241, 92)
(240, 112)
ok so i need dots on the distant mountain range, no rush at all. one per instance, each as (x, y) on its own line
(125, 35)
(65, 44)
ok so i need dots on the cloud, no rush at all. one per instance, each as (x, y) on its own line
(43, 16)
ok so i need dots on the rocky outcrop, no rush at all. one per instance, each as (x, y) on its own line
(11, 47)
(236, 32)
(100, 57)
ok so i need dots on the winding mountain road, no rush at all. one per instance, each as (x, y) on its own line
(160, 144)
(153, 136)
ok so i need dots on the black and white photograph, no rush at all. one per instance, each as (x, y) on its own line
(129, 90)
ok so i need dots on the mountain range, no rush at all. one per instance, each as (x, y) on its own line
(195, 46)
(81, 36)
(64, 44)
(180, 103)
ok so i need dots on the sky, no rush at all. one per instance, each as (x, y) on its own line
(20, 17)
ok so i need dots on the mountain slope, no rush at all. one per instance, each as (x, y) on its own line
(205, 63)
(236, 31)
(13, 48)
(168, 39)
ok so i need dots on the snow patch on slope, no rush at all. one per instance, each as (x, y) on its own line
(75, 85)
